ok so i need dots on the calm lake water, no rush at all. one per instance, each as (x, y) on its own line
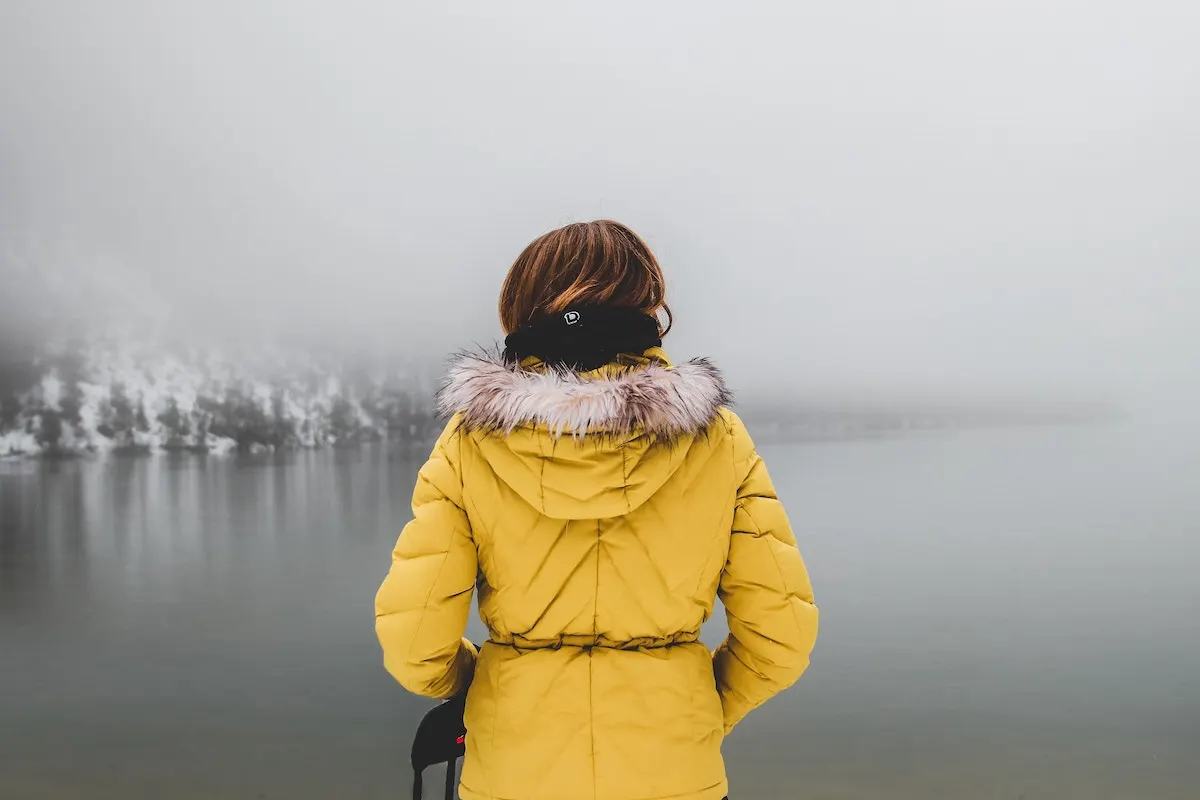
(1005, 614)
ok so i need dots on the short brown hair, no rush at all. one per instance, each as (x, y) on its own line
(601, 263)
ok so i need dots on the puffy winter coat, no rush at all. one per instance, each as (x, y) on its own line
(598, 515)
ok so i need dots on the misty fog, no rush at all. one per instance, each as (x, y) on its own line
(239, 237)
(864, 199)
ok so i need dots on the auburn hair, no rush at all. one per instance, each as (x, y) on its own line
(600, 263)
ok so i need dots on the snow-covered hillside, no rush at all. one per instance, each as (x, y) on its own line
(103, 397)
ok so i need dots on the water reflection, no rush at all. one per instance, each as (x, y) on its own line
(1004, 614)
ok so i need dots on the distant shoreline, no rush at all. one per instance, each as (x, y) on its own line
(812, 428)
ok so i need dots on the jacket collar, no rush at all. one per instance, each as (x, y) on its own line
(642, 393)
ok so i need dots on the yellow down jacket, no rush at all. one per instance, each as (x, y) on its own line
(598, 515)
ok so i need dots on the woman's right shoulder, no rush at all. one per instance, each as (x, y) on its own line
(728, 424)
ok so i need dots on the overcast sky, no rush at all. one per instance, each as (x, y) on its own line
(926, 197)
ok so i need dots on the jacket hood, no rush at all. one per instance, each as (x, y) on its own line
(583, 445)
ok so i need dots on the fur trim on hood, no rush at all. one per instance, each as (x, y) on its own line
(660, 400)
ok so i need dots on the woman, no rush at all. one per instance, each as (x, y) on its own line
(600, 499)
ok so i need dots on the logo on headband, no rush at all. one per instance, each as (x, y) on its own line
(571, 317)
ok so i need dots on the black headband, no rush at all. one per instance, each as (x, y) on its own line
(584, 338)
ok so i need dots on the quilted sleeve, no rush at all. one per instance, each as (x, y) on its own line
(766, 592)
(421, 609)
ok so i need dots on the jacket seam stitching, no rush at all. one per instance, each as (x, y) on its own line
(592, 663)
(425, 610)
(625, 479)
(787, 591)
(437, 578)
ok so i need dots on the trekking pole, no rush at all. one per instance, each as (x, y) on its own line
(441, 739)
(451, 774)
